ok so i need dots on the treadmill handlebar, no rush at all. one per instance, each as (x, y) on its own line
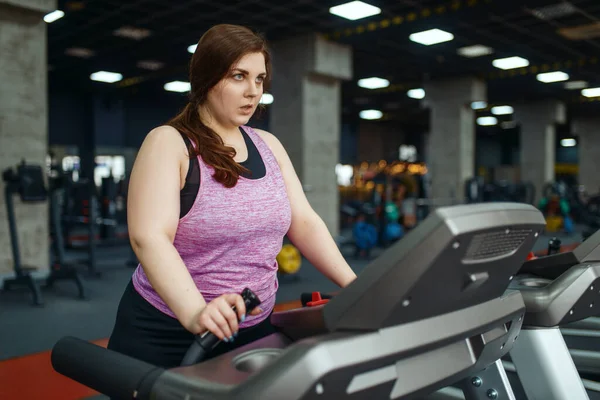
(204, 343)
(106, 371)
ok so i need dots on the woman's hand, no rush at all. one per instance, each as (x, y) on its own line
(219, 317)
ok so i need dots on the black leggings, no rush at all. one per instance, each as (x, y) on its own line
(143, 332)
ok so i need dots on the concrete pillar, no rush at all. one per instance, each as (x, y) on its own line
(23, 120)
(306, 114)
(588, 142)
(451, 140)
(538, 141)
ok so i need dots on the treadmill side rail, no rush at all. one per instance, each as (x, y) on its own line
(409, 360)
(573, 296)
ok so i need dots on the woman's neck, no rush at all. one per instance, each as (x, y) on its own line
(211, 122)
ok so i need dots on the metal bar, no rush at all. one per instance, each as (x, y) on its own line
(592, 323)
(590, 385)
(580, 332)
(12, 227)
(545, 367)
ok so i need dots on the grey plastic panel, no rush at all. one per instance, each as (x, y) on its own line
(551, 267)
(589, 250)
(573, 296)
(461, 254)
(404, 361)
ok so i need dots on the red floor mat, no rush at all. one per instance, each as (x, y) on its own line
(32, 377)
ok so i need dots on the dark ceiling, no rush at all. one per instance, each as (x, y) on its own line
(380, 44)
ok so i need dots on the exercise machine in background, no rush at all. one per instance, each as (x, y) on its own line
(28, 182)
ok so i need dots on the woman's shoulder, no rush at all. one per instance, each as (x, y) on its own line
(274, 144)
(270, 139)
(165, 138)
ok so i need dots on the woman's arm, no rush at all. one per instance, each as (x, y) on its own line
(153, 216)
(308, 232)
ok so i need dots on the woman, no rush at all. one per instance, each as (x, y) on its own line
(209, 203)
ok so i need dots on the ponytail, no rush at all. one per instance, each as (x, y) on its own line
(209, 145)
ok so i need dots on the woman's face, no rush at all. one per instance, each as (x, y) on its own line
(234, 99)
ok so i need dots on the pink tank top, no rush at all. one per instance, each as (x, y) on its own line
(230, 237)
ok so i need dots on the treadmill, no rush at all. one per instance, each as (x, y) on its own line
(431, 311)
(561, 293)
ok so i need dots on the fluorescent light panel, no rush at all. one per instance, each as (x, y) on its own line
(370, 114)
(416, 93)
(373, 83)
(432, 36)
(131, 32)
(53, 16)
(192, 48)
(487, 121)
(477, 50)
(106, 76)
(502, 110)
(591, 92)
(556, 76)
(479, 105)
(266, 98)
(355, 10)
(177, 86)
(576, 85)
(508, 124)
(150, 65)
(79, 52)
(510, 63)
(569, 142)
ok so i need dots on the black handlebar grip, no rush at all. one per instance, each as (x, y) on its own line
(554, 246)
(108, 372)
(207, 341)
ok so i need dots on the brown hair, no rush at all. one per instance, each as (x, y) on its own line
(217, 52)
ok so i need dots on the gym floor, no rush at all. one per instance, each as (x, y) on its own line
(28, 333)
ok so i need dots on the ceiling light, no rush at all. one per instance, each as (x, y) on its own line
(177, 86)
(416, 93)
(477, 50)
(373, 83)
(432, 36)
(502, 110)
(370, 114)
(554, 11)
(192, 48)
(508, 124)
(569, 142)
(510, 63)
(479, 105)
(556, 76)
(53, 16)
(487, 121)
(355, 10)
(131, 32)
(105, 76)
(576, 85)
(266, 98)
(591, 92)
(79, 52)
(150, 65)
